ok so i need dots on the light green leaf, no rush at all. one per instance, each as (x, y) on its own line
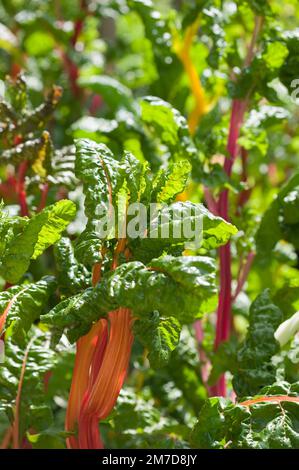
(171, 182)
(58, 216)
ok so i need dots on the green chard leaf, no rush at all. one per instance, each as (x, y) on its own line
(56, 219)
(181, 223)
(35, 410)
(101, 175)
(158, 31)
(30, 237)
(88, 246)
(255, 369)
(266, 421)
(280, 221)
(171, 182)
(182, 287)
(114, 93)
(72, 276)
(160, 336)
(21, 305)
(170, 127)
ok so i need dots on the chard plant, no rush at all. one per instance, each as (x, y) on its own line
(149, 224)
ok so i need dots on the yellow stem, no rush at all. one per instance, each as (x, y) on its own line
(183, 52)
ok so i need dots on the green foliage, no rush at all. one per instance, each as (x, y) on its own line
(71, 275)
(115, 93)
(255, 369)
(166, 124)
(171, 182)
(280, 221)
(261, 425)
(26, 239)
(155, 430)
(24, 304)
(187, 284)
(160, 336)
(35, 410)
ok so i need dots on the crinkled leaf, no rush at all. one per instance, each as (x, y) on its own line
(180, 223)
(171, 182)
(255, 369)
(182, 287)
(262, 422)
(21, 305)
(72, 276)
(28, 238)
(160, 336)
(101, 175)
(167, 124)
(88, 247)
(35, 410)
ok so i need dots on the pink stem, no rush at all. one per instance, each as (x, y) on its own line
(96, 103)
(223, 325)
(202, 356)
(210, 201)
(244, 274)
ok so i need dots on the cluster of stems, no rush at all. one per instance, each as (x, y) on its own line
(101, 363)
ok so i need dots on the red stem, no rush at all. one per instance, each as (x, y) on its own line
(245, 194)
(21, 190)
(43, 198)
(72, 72)
(96, 103)
(15, 432)
(70, 66)
(79, 24)
(7, 438)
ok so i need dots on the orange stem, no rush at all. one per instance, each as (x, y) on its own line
(101, 397)
(275, 399)
(6, 311)
(15, 430)
(6, 439)
(85, 350)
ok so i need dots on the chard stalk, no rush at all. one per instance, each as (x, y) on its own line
(223, 325)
